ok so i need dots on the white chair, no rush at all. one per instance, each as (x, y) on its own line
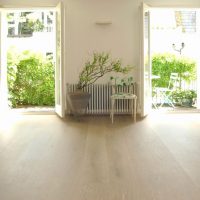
(164, 93)
(128, 95)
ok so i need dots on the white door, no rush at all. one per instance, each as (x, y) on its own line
(198, 84)
(3, 62)
(146, 99)
(59, 68)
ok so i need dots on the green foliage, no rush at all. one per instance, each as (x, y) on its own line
(30, 79)
(34, 26)
(180, 96)
(28, 24)
(184, 94)
(165, 64)
(100, 65)
(125, 81)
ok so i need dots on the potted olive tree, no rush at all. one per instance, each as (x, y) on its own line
(97, 67)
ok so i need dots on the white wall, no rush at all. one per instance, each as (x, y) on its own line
(83, 36)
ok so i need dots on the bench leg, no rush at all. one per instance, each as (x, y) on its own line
(135, 107)
(112, 110)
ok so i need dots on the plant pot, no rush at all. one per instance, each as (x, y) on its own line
(78, 102)
(187, 102)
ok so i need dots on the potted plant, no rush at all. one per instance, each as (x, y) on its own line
(176, 97)
(97, 67)
(188, 98)
(184, 97)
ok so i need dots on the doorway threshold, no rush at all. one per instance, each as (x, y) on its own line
(177, 110)
(35, 110)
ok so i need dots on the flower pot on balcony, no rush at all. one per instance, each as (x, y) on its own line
(187, 102)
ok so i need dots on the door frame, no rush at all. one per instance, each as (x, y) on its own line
(141, 83)
(145, 105)
(3, 64)
(41, 8)
(59, 54)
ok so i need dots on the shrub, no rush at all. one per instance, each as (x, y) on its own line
(165, 64)
(30, 79)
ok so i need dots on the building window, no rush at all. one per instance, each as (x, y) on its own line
(187, 20)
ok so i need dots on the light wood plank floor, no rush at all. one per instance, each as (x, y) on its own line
(46, 158)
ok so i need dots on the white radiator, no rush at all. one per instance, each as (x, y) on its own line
(100, 102)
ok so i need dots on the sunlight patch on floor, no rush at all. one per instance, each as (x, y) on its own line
(7, 121)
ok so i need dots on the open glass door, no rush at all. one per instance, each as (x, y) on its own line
(59, 68)
(3, 63)
(145, 63)
(198, 84)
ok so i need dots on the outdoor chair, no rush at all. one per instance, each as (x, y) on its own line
(163, 94)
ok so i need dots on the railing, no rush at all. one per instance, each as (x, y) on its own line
(189, 86)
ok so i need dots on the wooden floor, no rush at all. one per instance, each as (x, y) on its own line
(46, 158)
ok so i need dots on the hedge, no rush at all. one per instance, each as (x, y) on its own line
(30, 79)
(165, 64)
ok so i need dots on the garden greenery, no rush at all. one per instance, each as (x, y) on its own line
(30, 79)
(183, 94)
(165, 64)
